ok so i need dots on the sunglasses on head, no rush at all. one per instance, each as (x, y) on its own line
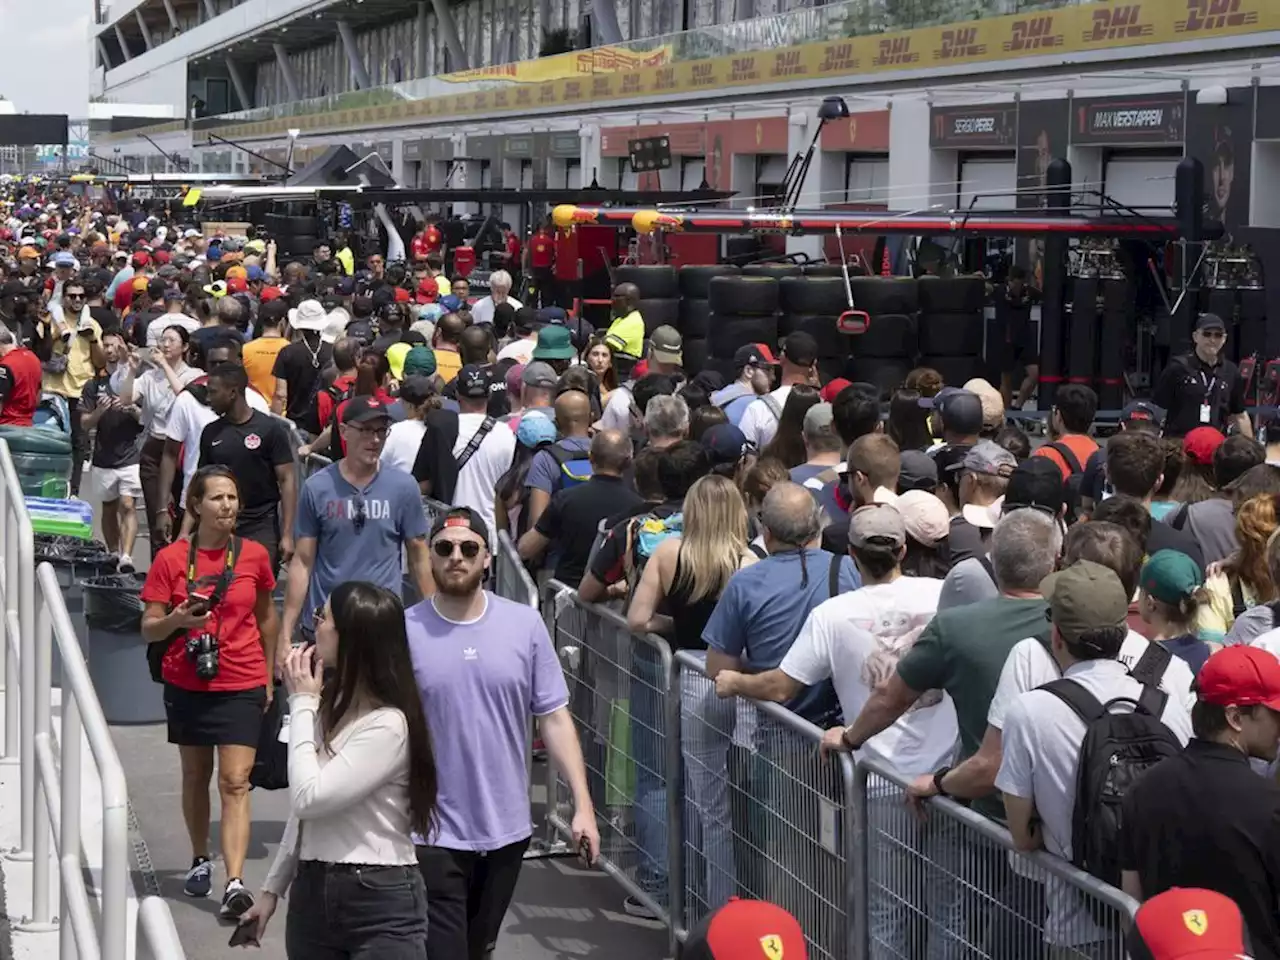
(444, 548)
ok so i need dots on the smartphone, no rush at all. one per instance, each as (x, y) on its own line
(243, 936)
(198, 604)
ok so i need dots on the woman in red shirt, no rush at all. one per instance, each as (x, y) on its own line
(209, 600)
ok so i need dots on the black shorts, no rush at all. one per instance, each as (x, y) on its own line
(214, 718)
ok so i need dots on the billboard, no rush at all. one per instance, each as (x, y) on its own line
(31, 129)
(1154, 119)
(963, 128)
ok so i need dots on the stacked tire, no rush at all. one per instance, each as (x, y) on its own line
(659, 293)
(295, 236)
(743, 310)
(812, 305)
(885, 352)
(694, 283)
(952, 326)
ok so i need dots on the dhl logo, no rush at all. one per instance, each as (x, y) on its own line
(1034, 33)
(704, 75)
(482, 101)
(500, 99)
(960, 44)
(788, 64)
(664, 79)
(631, 83)
(1121, 22)
(895, 51)
(743, 70)
(572, 90)
(547, 94)
(1205, 16)
(838, 58)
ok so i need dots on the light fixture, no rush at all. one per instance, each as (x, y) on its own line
(294, 133)
(833, 108)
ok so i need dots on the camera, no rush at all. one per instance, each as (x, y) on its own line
(202, 650)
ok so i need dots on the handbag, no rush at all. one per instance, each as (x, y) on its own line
(271, 763)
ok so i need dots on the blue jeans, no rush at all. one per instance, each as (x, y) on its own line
(706, 729)
(648, 747)
(340, 911)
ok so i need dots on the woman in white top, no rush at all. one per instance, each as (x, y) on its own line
(417, 396)
(362, 780)
(155, 391)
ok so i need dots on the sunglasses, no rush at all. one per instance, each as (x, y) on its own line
(444, 548)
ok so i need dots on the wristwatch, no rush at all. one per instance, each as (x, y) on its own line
(937, 782)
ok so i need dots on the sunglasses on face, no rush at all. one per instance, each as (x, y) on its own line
(444, 548)
(1213, 334)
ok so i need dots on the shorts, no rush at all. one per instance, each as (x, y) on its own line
(214, 718)
(112, 483)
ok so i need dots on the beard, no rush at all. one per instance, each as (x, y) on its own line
(458, 583)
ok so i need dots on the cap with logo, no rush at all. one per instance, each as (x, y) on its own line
(666, 345)
(1171, 576)
(1240, 676)
(1085, 597)
(744, 929)
(460, 518)
(1141, 411)
(755, 355)
(364, 409)
(878, 524)
(1036, 482)
(725, 444)
(474, 382)
(1186, 923)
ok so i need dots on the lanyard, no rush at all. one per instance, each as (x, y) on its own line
(1209, 383)
(224, 579)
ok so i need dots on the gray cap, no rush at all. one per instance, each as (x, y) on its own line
(989, 458)
(817, 420)
(880, 522)
(539, 374)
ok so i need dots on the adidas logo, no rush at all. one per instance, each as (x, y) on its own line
(470, 653)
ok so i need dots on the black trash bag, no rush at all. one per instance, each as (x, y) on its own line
(114, 603)
(59, 549)
(271, 765)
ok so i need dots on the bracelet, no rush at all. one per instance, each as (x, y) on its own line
(937, 782)
(844, 738)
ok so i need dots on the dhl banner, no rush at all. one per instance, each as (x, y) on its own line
(567, 66)
(1071, 29)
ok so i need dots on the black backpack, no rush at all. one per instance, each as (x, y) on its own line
(1119, 747)
(1071, 486)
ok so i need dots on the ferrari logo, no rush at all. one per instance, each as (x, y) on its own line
(1196, 922)
(853, 129)
(759, 134)
(772, 945)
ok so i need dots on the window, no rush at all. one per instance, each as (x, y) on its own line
(693, 171)
(866, 179)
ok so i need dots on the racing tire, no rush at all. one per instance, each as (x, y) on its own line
(694, 280)
(695, 318)
(952, 334)
(956, 371)
(890, 336)
(659, 312)
(655, 281)
(696, 352)
(743, 296)
(823, 270)
(775, 270)
(731, 331)
(824, 296)
(952, 294)
(878, 295)
(822, 327)
(887, 374)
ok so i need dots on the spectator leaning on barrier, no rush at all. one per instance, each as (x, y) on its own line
(354, 520)
(1045, 733)
(484, 666)
(1204, 818)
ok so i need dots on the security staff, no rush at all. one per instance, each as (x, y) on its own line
(1202, 388)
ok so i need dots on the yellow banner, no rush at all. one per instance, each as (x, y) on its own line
(605, 74)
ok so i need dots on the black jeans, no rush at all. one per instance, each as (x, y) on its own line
(79, 445)
(344, 911)
(467, 896)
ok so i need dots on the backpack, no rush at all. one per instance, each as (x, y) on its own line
(1071, 486)
(644, 533)
(311, 419)
(1179, 518)
(575, 466)
(771, 404)
(1118, 748)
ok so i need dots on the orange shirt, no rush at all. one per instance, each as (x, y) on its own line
(1079, 444)
(259, 360)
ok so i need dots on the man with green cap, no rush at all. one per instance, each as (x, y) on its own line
(420, 361)
(1045, 732)
(555, 347)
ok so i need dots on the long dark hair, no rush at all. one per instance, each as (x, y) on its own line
(371, 373)
(908, 422)
(788, 443)
(374, 662)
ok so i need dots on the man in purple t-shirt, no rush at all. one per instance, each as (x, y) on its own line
(484, 665)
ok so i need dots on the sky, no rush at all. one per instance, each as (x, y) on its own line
(45, 66)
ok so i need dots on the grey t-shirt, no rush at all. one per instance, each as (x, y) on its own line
(967, 582)
(1250, 625)
(1213, 524)
(359, 533)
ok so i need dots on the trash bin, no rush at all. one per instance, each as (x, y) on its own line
(117, 652)
(74, 560)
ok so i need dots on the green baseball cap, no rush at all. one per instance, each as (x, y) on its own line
(1171, 576)
(1084, 597)
(420, 361)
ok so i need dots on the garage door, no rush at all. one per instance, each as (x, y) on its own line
(981, 176)
(1141, 182)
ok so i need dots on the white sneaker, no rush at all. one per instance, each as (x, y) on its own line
(125, 564)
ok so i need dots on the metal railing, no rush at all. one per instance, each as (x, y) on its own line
(700, 799)
(36, 619)
(510, 577)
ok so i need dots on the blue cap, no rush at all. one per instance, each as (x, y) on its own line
(451, 304)
(346, 286)
(253, 273)
(552, 315)
(725, 444)
(64, 259)
(536, 428)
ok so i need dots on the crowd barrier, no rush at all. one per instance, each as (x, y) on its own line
(35, 619)
(700, 799)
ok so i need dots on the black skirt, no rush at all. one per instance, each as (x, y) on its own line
(215, 718)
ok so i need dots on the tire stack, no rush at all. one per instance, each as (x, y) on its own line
(659, 293)
(1252, 337)
(952, 326)
(743, 310)
(295, 236)
(885, 352)
(694, 282)
(812, 305)
(775, 270)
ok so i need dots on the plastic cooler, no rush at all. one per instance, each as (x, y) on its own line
(60, 518)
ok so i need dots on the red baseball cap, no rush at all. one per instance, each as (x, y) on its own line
(162, 256)
(140, 259)
(1240, 676)
(833, 389)
(747, 930)
(270, 293)
(1188, 924)
(402, 295)
(1201, 444)
(237, 284)
(428, 290)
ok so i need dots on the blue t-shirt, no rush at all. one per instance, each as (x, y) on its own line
(735, 408)
(545, 473)
(359, 533)
(763, 608)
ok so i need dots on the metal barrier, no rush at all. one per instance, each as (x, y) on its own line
(51, 791)
(510, 577)
(700, 799)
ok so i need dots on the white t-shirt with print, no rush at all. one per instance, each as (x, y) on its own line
(758, 423)
(478, 478)
(857, 639)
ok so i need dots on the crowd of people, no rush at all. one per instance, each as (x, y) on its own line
(1077, 639)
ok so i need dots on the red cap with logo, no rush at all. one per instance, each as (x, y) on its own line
(428, 290)
(1240, 676)
(237, 284)
(270, 293)
(1188, 924)
(833, 389)
(747, 930)
(402, 295)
